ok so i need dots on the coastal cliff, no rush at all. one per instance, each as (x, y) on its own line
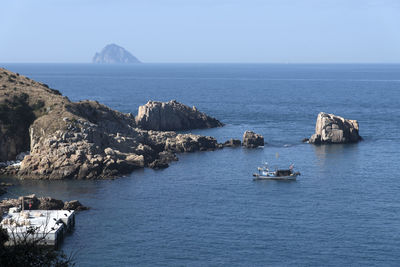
(79, 140)
(114, 54)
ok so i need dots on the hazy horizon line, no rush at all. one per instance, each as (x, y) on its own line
(145, 63)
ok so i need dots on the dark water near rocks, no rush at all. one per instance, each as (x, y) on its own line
(205, 209)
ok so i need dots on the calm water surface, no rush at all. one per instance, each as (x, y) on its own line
(204, 209)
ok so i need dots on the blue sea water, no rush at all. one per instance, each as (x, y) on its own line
(205, 210)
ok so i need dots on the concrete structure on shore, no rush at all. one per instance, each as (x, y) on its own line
(46, 226)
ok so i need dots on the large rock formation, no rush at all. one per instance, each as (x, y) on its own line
(252, 140)
(173, 116)
(332, 129)
(83, 140)
(114, 54)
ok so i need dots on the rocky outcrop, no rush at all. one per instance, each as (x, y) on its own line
(173, 116)
(332, 129)
(112, 54)
(31, 202)
(232, 143)
(83, 140)
(252, 140)
(74, 205)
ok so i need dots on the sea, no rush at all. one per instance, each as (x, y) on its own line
(205, 209)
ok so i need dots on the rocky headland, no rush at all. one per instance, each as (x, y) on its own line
(332, 129)
(114, 54)
(87, 140)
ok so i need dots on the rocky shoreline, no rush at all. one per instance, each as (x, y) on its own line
(62, 139)
(88, 140)
(31, 202)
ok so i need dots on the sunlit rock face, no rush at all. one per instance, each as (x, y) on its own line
(332, 129)
(252, 139)
(173, 116)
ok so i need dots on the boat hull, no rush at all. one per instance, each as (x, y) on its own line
(258, 177)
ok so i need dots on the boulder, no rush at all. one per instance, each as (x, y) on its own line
(232, 143)
(74, 205)
(48, 203)
(173, 116)
(159, 164)
(190, 143)
(252, 140)
(332, 129)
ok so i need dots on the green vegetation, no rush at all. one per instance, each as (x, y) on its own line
(16, 116)
(38, 105)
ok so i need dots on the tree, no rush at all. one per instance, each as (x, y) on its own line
(29, 252)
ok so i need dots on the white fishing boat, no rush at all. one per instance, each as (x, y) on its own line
(264, 173)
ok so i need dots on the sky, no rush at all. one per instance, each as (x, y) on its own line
(202, 31)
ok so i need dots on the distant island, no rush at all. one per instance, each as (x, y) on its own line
(114, 54)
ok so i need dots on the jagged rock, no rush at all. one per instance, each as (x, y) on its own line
(74, 205)
(48, 203)
(232, 143)
(172, 116)
(252, 140)
(159, 164)
(135, 160)
(190, 143)
(332, 129)
(112, 54)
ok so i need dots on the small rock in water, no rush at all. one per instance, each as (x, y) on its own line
(332, 129)
(232, 143)
(74, 205)
(252, 140)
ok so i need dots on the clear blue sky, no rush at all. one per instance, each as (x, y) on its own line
(293, 31)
